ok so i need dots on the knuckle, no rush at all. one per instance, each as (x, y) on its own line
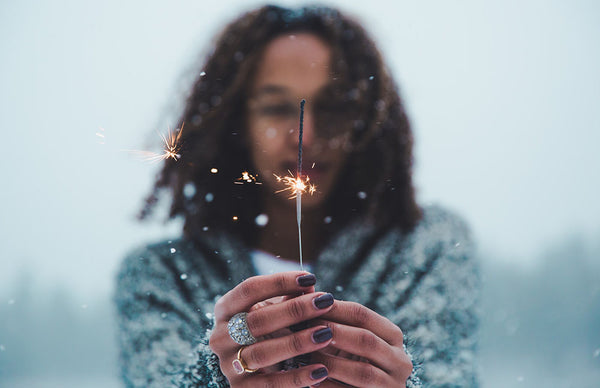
(221, 309)
(296, 309)
(367, 340)
(246, 288)
(334, 307)
(334, 327)
(219, 305)
(255, 321)
(400, 335)
(360, 314)
(397, 333)
(365, 374)
(215, 341)
(255, 356)
(211, 343)
(329, 363)
(296, 345)
(407, 365)
(409, 368)
(271, 382)
(297, 380)
(280, 284)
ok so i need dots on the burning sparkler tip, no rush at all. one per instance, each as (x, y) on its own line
(296, 185)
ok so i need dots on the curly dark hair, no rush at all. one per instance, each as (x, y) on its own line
(379, 164)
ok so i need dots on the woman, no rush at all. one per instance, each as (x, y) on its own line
(192, 312)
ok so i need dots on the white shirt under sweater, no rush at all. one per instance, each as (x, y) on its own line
(266, 263)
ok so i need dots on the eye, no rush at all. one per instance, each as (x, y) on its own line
(336, 117)
(278, 110)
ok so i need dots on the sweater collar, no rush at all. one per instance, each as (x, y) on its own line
(342, 257)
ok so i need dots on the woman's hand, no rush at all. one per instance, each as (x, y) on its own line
(367, 349)
(300, 303)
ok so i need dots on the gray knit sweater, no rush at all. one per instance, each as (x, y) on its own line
(426, 282)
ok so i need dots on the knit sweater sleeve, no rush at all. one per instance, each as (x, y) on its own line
(163, 334)
(439, 312)
(445, 304)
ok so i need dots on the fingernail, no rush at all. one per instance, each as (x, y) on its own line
(306, 280)
(323, 301)
(318, 373)
(322, 335)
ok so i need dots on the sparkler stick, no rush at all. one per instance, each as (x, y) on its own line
(297, 185)
(299, 195)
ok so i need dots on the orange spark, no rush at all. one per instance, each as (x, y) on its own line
(296, 185)
(248, 178)
(171, 147)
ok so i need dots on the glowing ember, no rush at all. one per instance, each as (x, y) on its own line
(296, 185)
(248, 178)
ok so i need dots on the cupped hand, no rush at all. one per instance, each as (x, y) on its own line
(299, 303)
(367, 349)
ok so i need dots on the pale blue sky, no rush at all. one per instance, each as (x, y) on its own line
(504, 99)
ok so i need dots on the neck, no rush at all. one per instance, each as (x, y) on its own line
(280, 236)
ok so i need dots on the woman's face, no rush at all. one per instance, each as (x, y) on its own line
(294, 67)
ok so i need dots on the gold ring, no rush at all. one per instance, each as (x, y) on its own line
(239, 365)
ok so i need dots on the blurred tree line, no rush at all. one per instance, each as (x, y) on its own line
(541, 326)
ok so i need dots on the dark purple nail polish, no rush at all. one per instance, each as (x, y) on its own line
(306, 280)
(322, 335)
(323, 301)
(318, 373)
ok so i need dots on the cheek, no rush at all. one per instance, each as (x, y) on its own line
(266, 151)
(266, 140)
(265, 148)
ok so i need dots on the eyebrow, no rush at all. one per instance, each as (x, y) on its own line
(270, 89)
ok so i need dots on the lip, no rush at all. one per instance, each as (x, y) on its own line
(307, 167)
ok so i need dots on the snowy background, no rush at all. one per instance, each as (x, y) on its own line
(504, 98)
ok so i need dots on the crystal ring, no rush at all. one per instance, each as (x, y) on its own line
(238, 330)
(239, 365)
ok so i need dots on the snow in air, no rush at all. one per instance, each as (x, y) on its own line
(261, 220)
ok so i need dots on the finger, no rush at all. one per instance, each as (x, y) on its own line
(265, 353)
(301, 377)
(282, 315)
(282, 298)
(334, 351)
(355, 373)
(364, 343)
(268, 302)
(357, 315)
(259, 288)
(330, 383)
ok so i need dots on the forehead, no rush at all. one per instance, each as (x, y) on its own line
(297, 64)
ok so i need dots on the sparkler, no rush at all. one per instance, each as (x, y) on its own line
(297, 185)
(248, 178)
(171, 147)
